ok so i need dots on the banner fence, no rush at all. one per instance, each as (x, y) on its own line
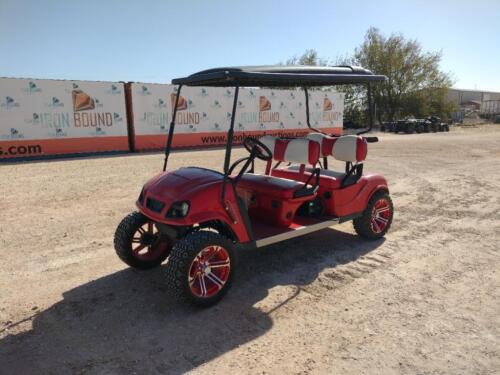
(53, 117)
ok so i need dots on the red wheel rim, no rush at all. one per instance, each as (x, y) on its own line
(209, 271)
(380, 215)
(147, 244)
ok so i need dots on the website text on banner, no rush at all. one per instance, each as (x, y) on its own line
(204, 114)
(50, 117)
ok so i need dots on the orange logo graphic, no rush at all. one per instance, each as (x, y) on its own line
(82, 101)
(264, 104)
(327, 105)
(181, 105)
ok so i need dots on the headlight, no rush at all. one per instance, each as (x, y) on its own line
(178, 209)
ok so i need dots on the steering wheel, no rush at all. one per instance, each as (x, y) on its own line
(257, 149)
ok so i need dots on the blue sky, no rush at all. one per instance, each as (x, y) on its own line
(155, 41)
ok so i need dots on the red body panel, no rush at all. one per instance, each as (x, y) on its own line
(354, 198)
(270, 206)
(340, 201)
(202, 188)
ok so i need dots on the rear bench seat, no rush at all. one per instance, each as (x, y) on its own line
(348, 148)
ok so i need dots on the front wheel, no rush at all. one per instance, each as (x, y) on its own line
(139, 243)
(201, 267)
(376, 218)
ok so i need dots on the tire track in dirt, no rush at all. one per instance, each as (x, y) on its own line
(344, 274)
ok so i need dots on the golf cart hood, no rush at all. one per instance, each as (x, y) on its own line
(200, 188)
(180, 184)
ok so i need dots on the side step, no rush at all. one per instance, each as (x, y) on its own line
(299, 231)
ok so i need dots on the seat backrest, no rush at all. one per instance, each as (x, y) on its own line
(298, 150)
(348, 148)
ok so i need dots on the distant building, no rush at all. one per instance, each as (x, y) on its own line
(470, 98)
(472, 105)
(490, 108)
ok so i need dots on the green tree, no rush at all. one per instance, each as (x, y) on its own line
(415, 86)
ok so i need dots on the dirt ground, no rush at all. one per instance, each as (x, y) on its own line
(426, 300)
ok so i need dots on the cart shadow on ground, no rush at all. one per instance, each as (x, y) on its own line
(126, 322)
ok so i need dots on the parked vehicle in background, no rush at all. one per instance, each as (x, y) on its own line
(412, 125)
(422, 125)
(387, 126)
(437, 125)
(405, 126)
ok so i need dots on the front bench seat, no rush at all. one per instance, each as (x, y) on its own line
(300, 151)
(276, 186)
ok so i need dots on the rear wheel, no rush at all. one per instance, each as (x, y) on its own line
(139, 243)
(201, 267)
(376, 218)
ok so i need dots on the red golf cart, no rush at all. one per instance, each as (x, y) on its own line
(201, 219)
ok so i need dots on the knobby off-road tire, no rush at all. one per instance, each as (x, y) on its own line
(139, 244)
(377, 217)
(201, 267)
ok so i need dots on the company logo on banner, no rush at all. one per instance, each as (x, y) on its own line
(114, 90)
(32, 88)
(144, 90)
(265, 114)
(9, 102)
(83, 102)
(184, 116)
(13, 134)
(55, 103)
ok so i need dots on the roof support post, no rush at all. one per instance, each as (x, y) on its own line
(171, 129)
(370, 109)
(229, 146)
(307, 107)
(229, 143)
(307, 112)
(370, 105)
